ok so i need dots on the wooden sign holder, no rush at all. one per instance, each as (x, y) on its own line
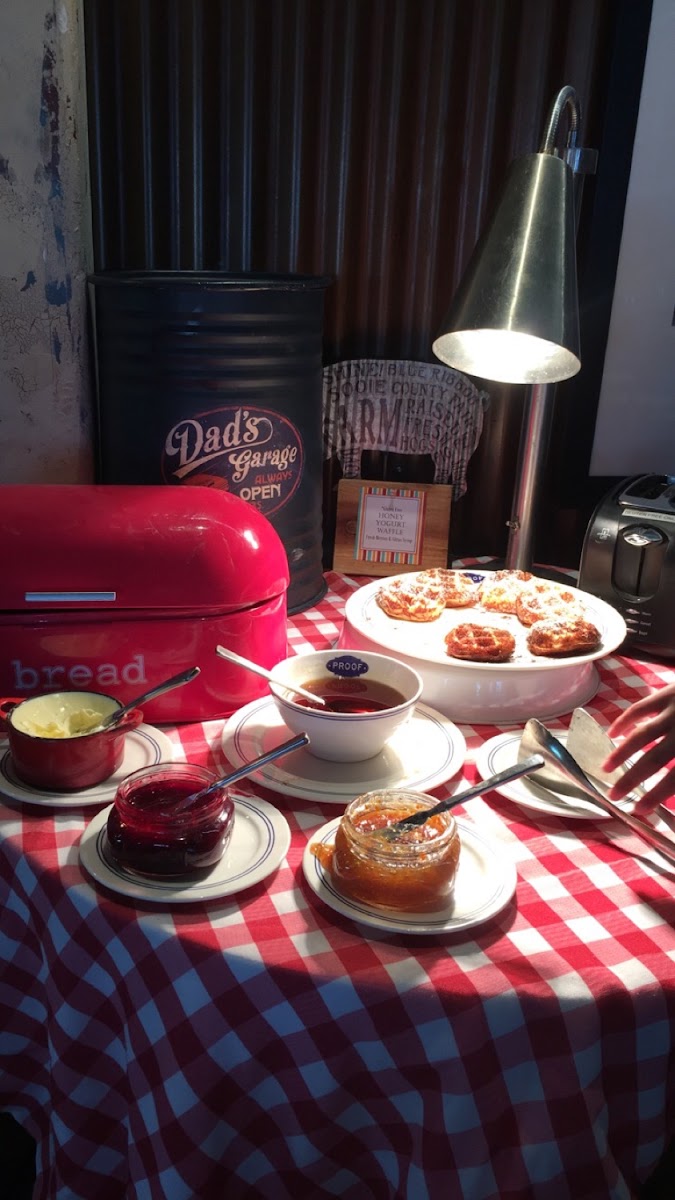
(384, 528)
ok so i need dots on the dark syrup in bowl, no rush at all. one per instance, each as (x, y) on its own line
(352, 696)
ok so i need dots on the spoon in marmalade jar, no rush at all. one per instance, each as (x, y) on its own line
(407, 863)
(533, 763)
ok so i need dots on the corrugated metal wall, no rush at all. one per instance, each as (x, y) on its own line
(365, 139)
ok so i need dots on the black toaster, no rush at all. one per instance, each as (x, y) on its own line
(628, 559)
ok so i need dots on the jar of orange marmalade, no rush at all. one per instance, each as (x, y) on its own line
(413, 871)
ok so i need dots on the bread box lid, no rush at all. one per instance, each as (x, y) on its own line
(113, 546)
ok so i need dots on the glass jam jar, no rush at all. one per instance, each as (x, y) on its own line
(148, 832)
(413, 871)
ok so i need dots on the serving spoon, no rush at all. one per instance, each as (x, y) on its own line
(506, 776)
(537, 739)
(176, 681)
(258, 670)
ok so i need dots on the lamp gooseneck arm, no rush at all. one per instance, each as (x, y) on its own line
(539, 399)
(566, 98)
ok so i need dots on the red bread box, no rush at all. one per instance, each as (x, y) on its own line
(114, 588)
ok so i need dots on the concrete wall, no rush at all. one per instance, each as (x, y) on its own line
(635, 430)
(45, 245)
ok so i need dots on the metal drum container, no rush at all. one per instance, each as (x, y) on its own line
(211, 379)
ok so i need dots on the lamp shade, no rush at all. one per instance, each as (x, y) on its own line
(515, 315)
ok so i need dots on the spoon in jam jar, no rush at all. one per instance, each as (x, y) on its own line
(268, 675)
(294, 743)
(506, 776)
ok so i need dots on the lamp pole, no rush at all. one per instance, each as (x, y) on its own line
(537, 423)
(514, 317)
(534, 440)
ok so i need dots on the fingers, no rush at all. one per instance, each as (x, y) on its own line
(636, 740)
(623, 787)
(647, 725)
(636, 713)
(645, 768)
(661, 792)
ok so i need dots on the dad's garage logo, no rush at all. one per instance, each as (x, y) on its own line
(252, 452)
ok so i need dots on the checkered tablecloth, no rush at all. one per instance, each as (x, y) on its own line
(264, 1046)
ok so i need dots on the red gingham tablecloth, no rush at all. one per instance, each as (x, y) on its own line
(265, 1046)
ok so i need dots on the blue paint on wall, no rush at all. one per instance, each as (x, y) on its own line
(30, 281)
(58, 293)
(59, 238)
(49, 120)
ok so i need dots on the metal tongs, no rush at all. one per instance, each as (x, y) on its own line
(559, 764)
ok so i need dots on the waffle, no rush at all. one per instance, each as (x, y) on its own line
(480, 643)
(542, 600)
(459, 589)
(407, 599)
(501, 589)
(575, 636)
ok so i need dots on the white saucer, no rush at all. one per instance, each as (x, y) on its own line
(485, 883)
(143, 747)
(259, 843)
(502, 751)
(426, 752)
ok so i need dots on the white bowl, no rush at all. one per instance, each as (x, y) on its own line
(345, 736)
(483, 693)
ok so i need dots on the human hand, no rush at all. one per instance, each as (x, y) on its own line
(649, 722)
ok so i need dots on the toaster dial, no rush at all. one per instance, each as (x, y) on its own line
(638, 560)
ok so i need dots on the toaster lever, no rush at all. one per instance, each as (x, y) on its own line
(638, 558)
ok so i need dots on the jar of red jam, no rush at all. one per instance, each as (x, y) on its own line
(413, 871)
(151, 832)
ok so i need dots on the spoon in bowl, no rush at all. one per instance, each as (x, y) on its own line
(537, 739)
(113, 718)
(258, 670)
